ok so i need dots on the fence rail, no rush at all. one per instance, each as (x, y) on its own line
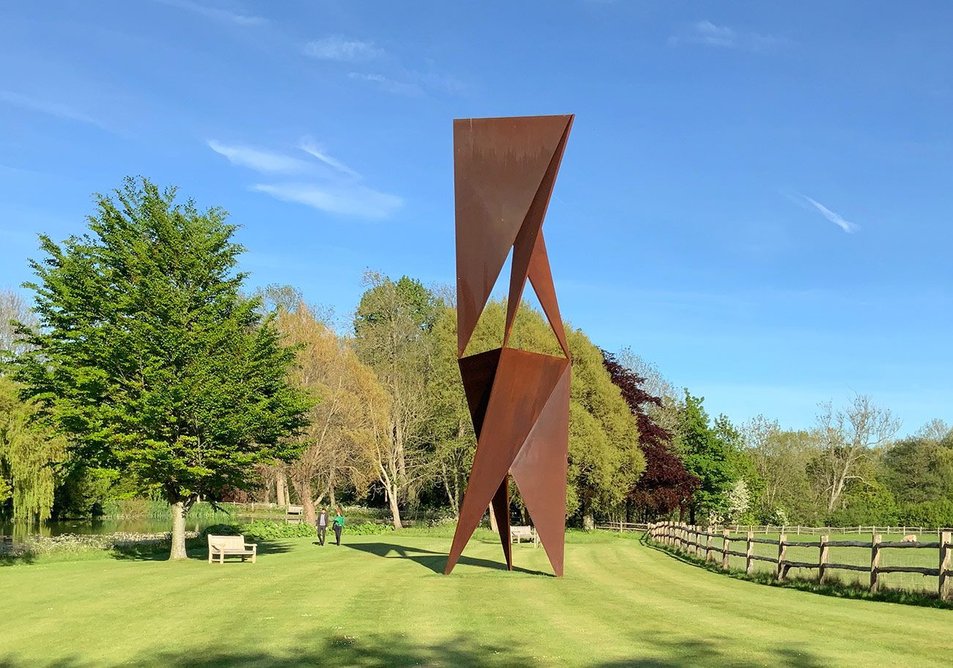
(859, 529)
(623, 526)
(689, 539)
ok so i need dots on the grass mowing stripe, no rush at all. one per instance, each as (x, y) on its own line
(382, 600)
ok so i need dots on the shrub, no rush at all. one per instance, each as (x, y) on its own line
(222, 530)
(275, 530)
(367, 529)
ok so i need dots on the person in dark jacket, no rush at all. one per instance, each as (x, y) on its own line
(322, 523)
(338, 526)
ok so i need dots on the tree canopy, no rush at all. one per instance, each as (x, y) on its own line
(149, 359)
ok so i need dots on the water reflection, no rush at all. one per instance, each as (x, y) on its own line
(21, 530)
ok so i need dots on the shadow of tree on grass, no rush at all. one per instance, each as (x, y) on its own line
(385, 650)
(8, 559)
(195, 548)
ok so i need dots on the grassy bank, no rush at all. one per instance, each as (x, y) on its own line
(382, 600)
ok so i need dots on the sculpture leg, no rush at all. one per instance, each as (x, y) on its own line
(501, 510)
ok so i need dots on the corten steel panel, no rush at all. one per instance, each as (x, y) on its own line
(504, 173)
(525, 245)
(521, 389)
(542, 279)
(540, 468)
(499, 164)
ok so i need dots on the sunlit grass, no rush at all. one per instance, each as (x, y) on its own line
(383, 600)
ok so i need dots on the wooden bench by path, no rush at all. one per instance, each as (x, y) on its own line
(230, 546)
(518, 533)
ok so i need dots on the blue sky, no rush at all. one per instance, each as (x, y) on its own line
(756, 197)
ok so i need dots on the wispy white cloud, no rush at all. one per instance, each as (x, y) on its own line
(315, 150)
(216, 13)
(342, 49)
(832, 216)
(50, 108)
(343, 199)
(258, 159)
(388, 84)
(382, 69)
(706, 33)
(328, 184)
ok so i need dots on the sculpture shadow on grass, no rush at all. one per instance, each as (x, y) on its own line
(380, 650)
(434, 561)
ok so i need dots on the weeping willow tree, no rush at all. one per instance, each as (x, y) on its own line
(27, 455)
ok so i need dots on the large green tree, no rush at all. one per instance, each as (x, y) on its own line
(781, 459)
(708, 454)
(392, 329)
(149, 358)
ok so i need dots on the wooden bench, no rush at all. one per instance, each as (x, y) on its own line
(294, 514)
(518, 533)
(223, 546)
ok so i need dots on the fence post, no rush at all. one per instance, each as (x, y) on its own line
(822, 558)
(749, 551)
(875, 563)
(782, 556)
(698, 542)
(708, 544)
(798, 529)
(726, 545)
(946, 563)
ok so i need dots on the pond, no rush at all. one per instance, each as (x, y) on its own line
(103, 526)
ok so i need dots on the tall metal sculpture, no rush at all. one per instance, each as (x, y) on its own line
(504, 172)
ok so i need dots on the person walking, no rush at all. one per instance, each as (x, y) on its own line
(322, 525)
(338, 526)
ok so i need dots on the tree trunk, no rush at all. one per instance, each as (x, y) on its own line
(451, 492)
(394, 509)
(307, 503)
(493, 524)
(281, 488)
(178, 530)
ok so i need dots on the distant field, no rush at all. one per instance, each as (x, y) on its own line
(383, 601)
(850, 555)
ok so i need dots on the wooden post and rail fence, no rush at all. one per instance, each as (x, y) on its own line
(699, 542)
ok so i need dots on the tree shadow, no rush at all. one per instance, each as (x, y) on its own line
(433, 561)
(195, 548)
(384, 650)
(701, 652)
(9, 559)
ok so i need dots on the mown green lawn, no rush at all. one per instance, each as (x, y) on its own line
(383, 601)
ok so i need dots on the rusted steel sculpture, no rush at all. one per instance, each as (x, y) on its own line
(504, 172)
